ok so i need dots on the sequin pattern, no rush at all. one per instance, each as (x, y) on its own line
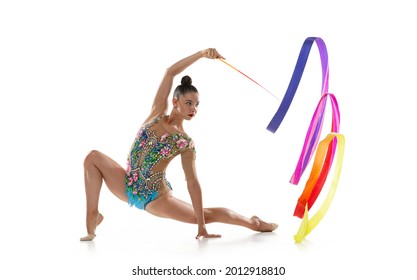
(143, 184)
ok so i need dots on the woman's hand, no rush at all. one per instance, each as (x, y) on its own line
(212, 53)
(202, 232)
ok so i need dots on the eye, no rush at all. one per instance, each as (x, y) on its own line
(188, 103)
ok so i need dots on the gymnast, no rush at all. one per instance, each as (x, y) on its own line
(160, 139)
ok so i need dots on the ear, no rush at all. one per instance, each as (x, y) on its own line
(174, 102)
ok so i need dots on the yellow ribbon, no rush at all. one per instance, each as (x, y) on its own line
(308, 225)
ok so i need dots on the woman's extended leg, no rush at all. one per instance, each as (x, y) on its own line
(170, 207)
(99, 167)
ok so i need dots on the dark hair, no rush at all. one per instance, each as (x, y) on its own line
(185, 87)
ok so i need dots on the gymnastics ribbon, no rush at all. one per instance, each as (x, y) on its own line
(318, 177)
(315, 127)
(308, 225)
(316, 123)
(325, 149)
(296, 77)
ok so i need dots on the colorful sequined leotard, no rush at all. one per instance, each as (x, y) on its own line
(148, 159)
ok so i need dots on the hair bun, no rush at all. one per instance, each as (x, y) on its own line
(186, 81)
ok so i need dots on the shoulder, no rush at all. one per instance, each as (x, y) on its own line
(153, 119)
(184, 142)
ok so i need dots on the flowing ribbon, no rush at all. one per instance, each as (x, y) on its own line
(325, 150)
(308, 225)
(314, 130)
(319, 176)
(296, 77)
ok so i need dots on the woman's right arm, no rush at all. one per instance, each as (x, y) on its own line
(160, 103)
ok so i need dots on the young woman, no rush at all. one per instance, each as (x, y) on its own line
(159, 140)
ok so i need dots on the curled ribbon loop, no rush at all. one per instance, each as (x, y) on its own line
(308, 225)
(318, 177)
(296, 77)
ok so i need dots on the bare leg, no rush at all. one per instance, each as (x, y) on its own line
(170, 207)
(99, 167)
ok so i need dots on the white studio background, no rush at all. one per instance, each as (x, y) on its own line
(81, 75)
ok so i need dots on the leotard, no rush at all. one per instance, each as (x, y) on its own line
(147, 160)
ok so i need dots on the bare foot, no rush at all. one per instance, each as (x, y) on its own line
(92, 223)
(264, 226)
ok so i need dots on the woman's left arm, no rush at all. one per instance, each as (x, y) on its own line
(194, 189)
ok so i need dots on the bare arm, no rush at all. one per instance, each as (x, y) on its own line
(194, 189)
(160, 103)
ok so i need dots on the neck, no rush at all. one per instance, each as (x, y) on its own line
(175, 120)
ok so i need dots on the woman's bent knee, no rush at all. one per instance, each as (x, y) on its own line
(91, 158)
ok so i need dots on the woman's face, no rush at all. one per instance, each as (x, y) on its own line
(187, 105)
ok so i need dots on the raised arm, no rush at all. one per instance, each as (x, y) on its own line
(160, 103)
